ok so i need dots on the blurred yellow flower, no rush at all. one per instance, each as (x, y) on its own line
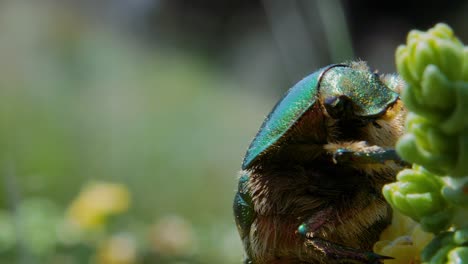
(119, 249)
(172, 236)
(403, 240)
(96, 202)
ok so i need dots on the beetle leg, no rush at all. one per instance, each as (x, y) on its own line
(244, 213)
(330, 250)
(343, 254)
(360, 153)
(370, 156)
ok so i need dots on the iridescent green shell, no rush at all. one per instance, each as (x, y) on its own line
(369, 95)
(284, 115)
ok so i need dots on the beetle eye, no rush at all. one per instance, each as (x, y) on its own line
(339, 107)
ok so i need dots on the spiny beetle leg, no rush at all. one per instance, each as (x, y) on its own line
(371, 155)
(343, 254)
(332, 251)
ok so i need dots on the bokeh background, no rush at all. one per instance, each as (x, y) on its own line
(123, 123)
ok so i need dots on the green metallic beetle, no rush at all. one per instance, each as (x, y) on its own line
(310, 188)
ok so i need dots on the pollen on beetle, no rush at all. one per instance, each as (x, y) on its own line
(359, 65)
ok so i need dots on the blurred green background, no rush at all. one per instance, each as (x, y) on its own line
(123, 123)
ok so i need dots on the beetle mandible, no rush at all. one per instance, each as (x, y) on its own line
(311, 180)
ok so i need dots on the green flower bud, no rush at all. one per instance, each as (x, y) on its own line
(437, 91)
(401, 62)
(458, 255)
(459, 218)
(436, 251)
(449, 247)
(423, 56)
(457, 122)
(397, 199)
(416, 193)
(456, 191)
(465, 64)
(439, 221)
(440, 257)
(461, 168)
(427, 145)
(413, 97)
(449, 50)
(402, 59)
(460, 237)
(441, 30)
(435, 66)
(450, 57)
(427, 63)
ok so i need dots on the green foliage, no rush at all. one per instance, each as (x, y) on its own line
(434, 65)
(417, 194)
(447, 247)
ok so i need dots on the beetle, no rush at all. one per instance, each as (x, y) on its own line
(311, 180)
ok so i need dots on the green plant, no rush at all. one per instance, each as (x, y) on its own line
(434, 65)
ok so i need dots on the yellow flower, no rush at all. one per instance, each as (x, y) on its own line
(96, 202)
(172, 236)
(403, 240)
(119, 249)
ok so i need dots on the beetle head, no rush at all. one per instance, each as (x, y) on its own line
(354, 93)
(339, 107)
